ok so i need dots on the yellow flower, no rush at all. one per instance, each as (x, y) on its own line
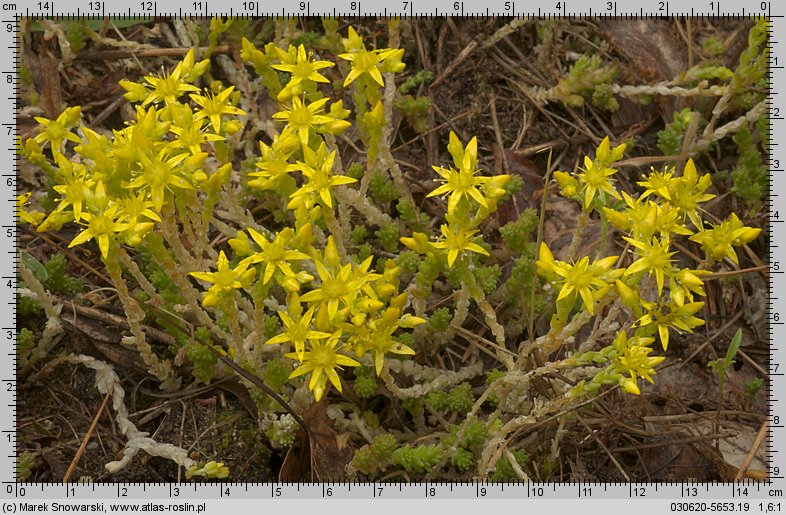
(596, 179)
(298, 328)
(317, 170)
(74, 185)
(632, 358)
(167, 88)
(568, 186)
(684, 284)
(658, 183)
(377, 333)
(322, 360)
(546, 263)
(461, 183)
(719, 242)
(661, 318)
(584, 278)
(367, 62)
(655, 258)
(159, 174)
(688, 192)
(304, 68)
(213, 106)
(225, 280)
(458, 240)
(188, 130)
(274, 254)
(273, 164)
(100, 225)
(34, 217)
(340, 284)
(302, 118)
(211, 469)
(57, 131)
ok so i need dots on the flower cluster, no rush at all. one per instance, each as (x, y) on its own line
(471, 199)
(662, 295)
(116, 188)
(334, 307)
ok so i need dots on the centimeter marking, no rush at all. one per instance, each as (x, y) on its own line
(12, 13)
(405, 8)
(746, 490)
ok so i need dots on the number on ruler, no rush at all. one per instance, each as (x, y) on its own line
(639, 491)
(690, 491)
(456, 6)
(353, 6)
(197, 6)
(302, 6)
(661, 6)
(508, 6)
(765, 6)
(44, 6)
(95, 6)
(251, 6)
(560, 6)
(609, 6)
(406, 6)
(9, 28)
(147, 5)
(776, 317)
(776, 419)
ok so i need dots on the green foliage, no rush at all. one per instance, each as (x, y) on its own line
(418, 459)
(359, 234)
(376, 457)
(752, 68)
(587, 78)
(24, 466)
(463, 460)
(503, 472)
(751, 175)
(204, 362)
(670, 138)
(421, 77)
(409, 214)
(712, 47)
(381, 188)
(276, 373)
(25, 340)
(388, 237)
(272, 326)
(355, 171)
(440, 319)
(461, 399)
(753, 386)
(415, 110)
(365, 384)
(58, 280)
(28, 306)
(408, 261)
(282, 431)
(517, 234)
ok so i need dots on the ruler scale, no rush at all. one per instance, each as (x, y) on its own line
(746, 496)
